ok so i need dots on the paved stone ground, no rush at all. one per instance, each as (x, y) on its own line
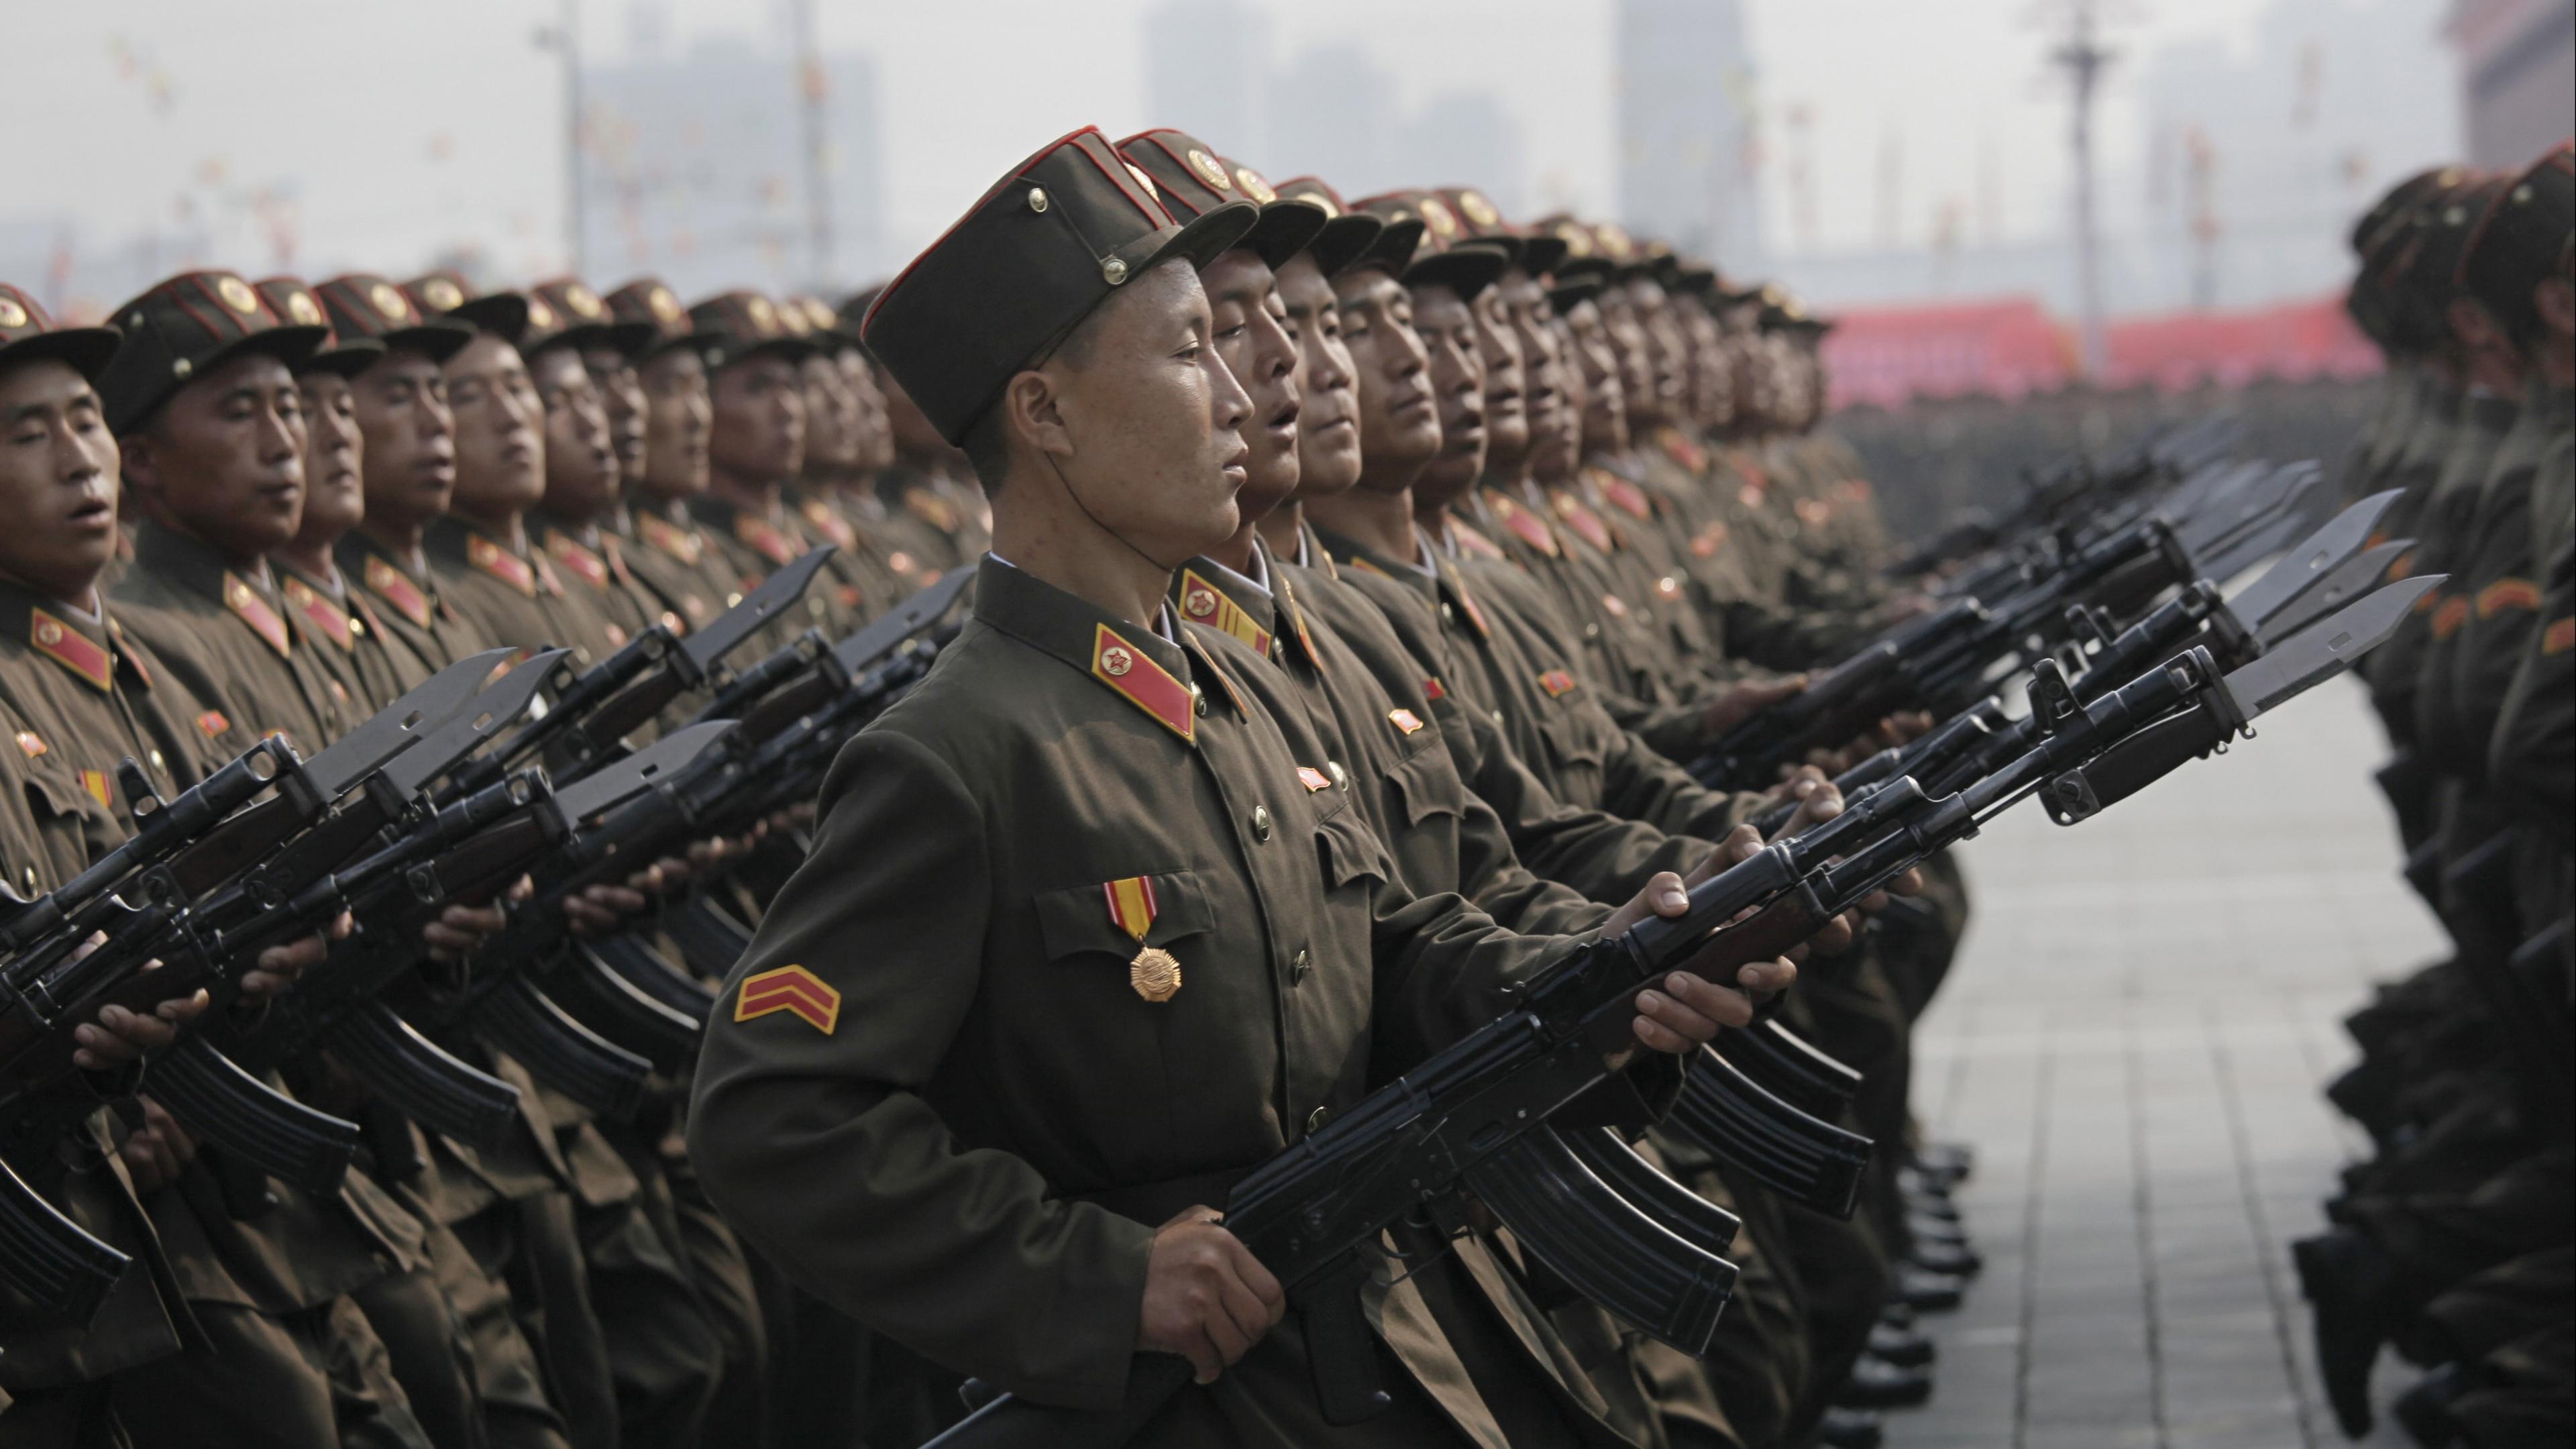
(2134, 1039)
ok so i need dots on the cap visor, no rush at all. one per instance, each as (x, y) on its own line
(1343, 240)
(1572, 267)
(1284, 229)
(1542, 255)
(1395, 246)
(1571, 292)
(503, 314)
(1204, 237)
(1466, 270)
(437, 341)
(87, 349)
(347, 359)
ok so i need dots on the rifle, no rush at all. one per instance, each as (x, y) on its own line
(239, 861)
(1472, 1118)
(593, 710)
(48, 1259)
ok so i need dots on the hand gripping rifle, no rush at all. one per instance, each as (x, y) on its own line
(346, 1005)
(1474, 1119)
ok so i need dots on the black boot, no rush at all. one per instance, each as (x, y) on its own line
(1849, 1429)
(1874, 1383)
(1903, 1347)
(2347, 1281)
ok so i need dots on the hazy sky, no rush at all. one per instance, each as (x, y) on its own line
(321, 134)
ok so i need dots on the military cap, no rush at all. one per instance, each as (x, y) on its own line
(1567, 293)
(1191, 180)
(2519, 238)
(2421, 273)
(184, 326)
(1627, 259)
(447, 294)
(823, 324)
(648, 302)
(361, 304)
(27, 334)
(2384, 299)
(2402, 198)
(1036, 254)
(1533, 252)
(1578, 254)
(581, 320)
(289, 298)
(854, 316)
(1447, 257)
(1349, 237)
(744, 324)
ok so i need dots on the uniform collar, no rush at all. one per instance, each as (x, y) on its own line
(1207, 592)
(89, 647)
(378, 571)
(460, 544)
(1158, 676)
(191, 566)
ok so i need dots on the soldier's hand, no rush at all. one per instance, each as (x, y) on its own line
(1749, 699)
(278, 966)
(1206, 1297)
(158, 1151)
(1818, 800)
(120, 1036)
(602, 909)
(461, 930)
(1686, 1010)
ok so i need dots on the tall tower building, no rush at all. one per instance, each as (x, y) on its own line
(1686, 129)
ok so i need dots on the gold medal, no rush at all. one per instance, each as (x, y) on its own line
(1155, 973)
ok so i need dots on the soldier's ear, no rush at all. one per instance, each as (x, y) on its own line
(1031, 414)
(139, 463)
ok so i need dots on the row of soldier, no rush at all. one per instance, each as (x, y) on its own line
(1515, 519)
(2452, 1243)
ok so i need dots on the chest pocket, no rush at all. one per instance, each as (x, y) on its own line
(1075, 919)
(72, 827)
(1350, 852)
(1428, 782)
(1569, 744)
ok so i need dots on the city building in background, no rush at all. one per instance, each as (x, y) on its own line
(695, 168)
(1688, 143)
(2517, 76)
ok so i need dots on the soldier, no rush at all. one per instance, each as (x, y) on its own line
(1059, 727)
(204, 405)
(407, 460)
(673, 556)
(336, 623)
(570, 334)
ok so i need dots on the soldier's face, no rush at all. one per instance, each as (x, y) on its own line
(1145, 421)
(224, 459)
(1248, 324)
(1628, 346)
(1328, 414)
(677, 417)
(335, 495)
(1667, 353)
(831, 418)
(623, 394)
(1534, 329)
(1399, 418)
(1605, 401)
(759, 431)
(875, 436)
(1556, 449)
(500, 454)
(408, 439)
(1712, 387)
(1499, 352)
(1447, 326)
(581, 462)
(57, 480)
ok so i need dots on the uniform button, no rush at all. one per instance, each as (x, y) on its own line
(1302, 964)
(1261, 822)
(1591, 631)
(156, 761)
(1316, 1119)
(1498, 719)
(1340, 776)
(1198, 701)
(1448, 615)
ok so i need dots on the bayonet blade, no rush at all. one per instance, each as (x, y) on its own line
(910, 617)
(2325, 649)
(2274, 493)
(401, 724)
(481, 717)
(609, 784)
(2349, 580)
(2317, 556)
(706, 646)
(2252, 548)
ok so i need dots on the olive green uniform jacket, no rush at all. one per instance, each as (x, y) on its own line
(224, 633)
(934, 1091)
(407, 600)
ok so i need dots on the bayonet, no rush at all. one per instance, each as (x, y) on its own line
(491, 711)
(2315, 558)
(2348, 580)
(2323, 649)
(908, 618)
